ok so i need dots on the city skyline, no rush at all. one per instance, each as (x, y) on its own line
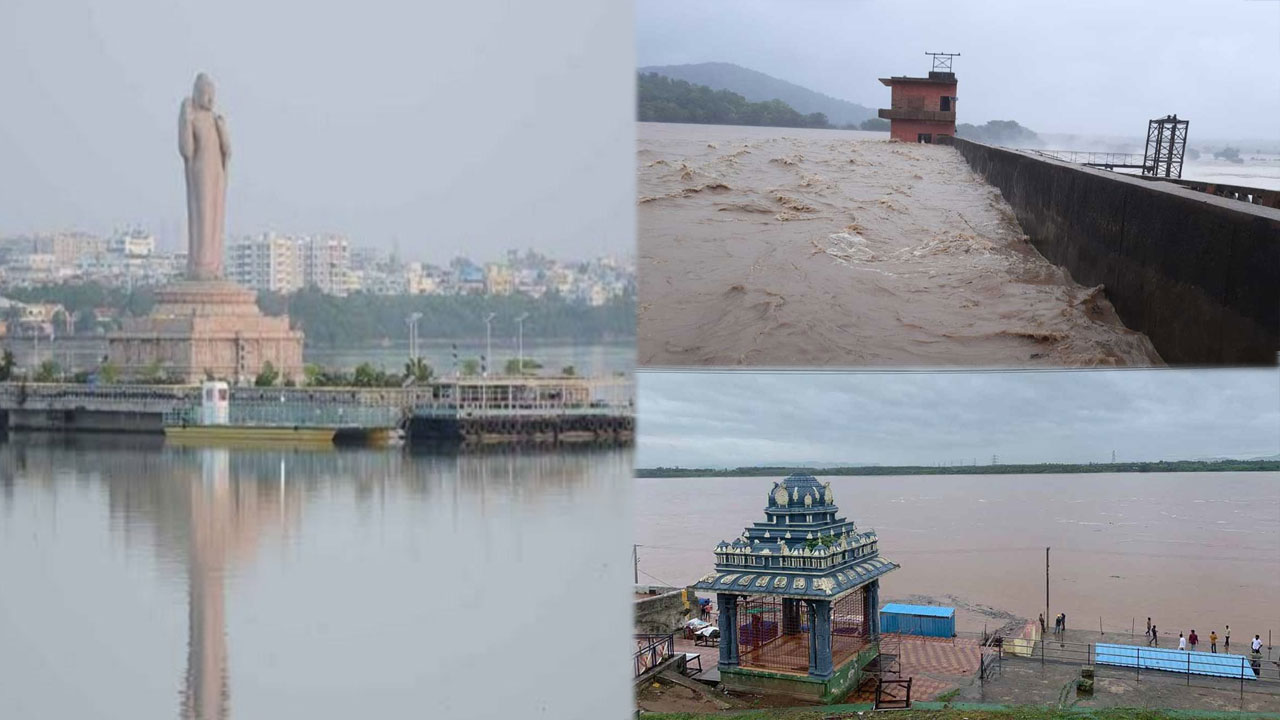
(328, 262)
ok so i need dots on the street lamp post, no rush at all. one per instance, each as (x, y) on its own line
(412, 321)
(520, 342)
(488, 342)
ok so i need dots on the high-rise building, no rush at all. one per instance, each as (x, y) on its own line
(132, 243)
(326, 263)
(69, 247)
(284, 264)
(498, 279)
(265, 262)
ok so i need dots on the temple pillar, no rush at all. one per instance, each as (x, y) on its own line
(871, 599)
(728, 629)
(790, 616)
(820, 665)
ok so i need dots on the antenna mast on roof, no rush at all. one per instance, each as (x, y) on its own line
(942, 61)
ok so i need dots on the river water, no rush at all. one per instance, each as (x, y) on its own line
(1191, 550)
(786, 247)
(143, 581)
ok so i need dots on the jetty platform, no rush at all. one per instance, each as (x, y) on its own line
(452, 411)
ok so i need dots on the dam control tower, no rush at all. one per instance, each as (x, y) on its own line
(922, 109)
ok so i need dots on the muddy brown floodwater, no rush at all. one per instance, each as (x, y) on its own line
(1190, 550)
(781, 246)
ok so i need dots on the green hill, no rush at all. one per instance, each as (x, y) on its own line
(661, 99)
(758, 87)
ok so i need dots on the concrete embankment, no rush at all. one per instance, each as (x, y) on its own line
(1198, 274)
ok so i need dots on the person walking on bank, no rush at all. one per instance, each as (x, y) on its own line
(1193, 639)
(1226, 640)
(1256, 645)
(1148, 626)
(1042, 627)
(1182, 642)
(1213, 641)
(1064, 623)
(1153, 641)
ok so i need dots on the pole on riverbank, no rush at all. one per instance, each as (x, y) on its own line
(635, 562)
(1046, 590)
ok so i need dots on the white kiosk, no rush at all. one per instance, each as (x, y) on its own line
(215, 403)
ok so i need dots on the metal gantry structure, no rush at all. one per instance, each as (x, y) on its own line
(1166, 144)
(942, 61)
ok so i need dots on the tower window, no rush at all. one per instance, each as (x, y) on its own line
(946, 103)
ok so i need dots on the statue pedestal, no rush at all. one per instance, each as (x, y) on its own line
(199, 328)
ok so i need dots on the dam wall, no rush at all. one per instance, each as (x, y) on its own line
(1197, 273)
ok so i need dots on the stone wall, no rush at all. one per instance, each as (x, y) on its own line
(1199, 274)
(664, 609)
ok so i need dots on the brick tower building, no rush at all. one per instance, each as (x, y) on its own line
(923, 108)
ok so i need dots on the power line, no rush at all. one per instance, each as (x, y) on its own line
(660, 580)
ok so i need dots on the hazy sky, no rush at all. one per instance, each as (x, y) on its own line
(732, 419)
(463, 126)
(1086, 66)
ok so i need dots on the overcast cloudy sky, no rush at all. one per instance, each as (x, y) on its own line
(462, 126)
(731, 419)
(1086, 66)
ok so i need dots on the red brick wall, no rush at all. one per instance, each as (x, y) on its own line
(907, 130)
(929, 94)
(920, 96)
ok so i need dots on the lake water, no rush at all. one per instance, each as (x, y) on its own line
(1191, 550)
(143, 581)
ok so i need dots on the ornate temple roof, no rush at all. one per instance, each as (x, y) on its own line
(803, 548)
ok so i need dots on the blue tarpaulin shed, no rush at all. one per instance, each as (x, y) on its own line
(927, 620)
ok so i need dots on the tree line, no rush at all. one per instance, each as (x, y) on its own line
(361, 319)
(663, 99)
(1026, 469)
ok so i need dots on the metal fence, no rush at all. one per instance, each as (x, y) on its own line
(773, 634)
(1251, 672)
(295, 414)
(1096, 159)
(848, 627)
(652, 651)
(990, 658)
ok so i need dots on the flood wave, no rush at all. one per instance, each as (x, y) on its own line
(784, 247)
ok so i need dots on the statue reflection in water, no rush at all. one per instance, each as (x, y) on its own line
(205, 694)
(227, 520)
(204, 516)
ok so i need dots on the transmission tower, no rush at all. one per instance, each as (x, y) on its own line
(1166, 144)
